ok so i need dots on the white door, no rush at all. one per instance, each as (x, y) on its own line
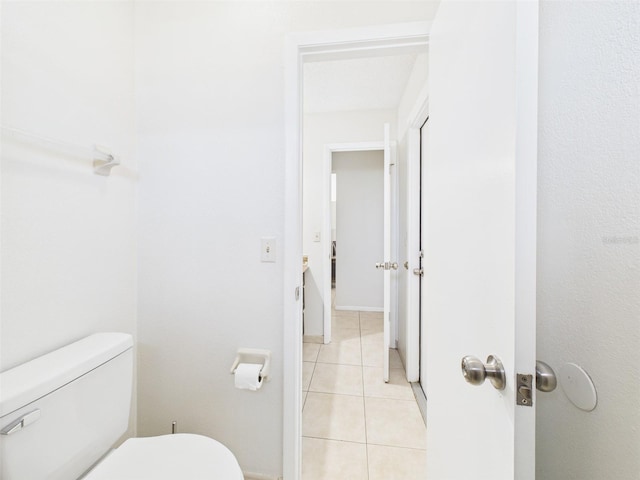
(480, 211)
(423, 223)
(387, 264)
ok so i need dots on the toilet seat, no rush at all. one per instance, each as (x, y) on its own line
(169, 457)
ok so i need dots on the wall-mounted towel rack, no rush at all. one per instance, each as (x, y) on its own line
(103, 159)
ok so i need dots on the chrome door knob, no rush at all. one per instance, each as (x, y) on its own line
(546, 380)
(475, 372)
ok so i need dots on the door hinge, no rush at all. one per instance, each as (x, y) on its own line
(297, 293)
(524, 392)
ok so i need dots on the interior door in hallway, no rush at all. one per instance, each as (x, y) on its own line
(387, 265)
(419, 272)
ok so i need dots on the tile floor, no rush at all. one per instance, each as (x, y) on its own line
(355, 426)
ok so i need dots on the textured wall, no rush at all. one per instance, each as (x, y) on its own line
(589, 238)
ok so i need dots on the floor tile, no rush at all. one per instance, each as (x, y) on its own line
(331, 460)
(313, 339)
(332, 378)
(339, 321)
(354, 425)
(340, 353)
(307, 373)
(372, 349)
(371, 336)
(345, 334)
(369, 323)
(310, 351)
(394, 359)
(334, 417)
(374, 385)
(393, 463)
(395, 423)
(344, 348)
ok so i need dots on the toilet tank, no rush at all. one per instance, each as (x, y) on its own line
(63, 411)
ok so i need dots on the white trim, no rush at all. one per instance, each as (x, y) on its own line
(299, 48)
(418, 116)
(292, 254)
(360, 309)
(526, 176)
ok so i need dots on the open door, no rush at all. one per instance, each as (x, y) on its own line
(480, 245)
(387, 253)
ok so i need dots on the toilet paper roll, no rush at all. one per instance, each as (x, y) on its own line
(247, 376)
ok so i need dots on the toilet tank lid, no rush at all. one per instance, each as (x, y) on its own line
(32, 380)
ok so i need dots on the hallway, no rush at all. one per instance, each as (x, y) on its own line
(353, 424)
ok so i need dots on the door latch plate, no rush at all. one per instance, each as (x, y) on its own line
(524, 392)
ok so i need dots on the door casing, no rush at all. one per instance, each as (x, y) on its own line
(300, 48)
(417, 119)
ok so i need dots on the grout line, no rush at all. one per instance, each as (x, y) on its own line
(364, 404)
(338, 394)
(336, 440)
(396, 446)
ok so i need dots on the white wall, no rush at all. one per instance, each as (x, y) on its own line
(321, 129)
(359, 229)
(210, 90)
(589, 230)
(415, 89)
(68, 236)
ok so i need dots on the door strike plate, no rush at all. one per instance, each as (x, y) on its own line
(524, 392)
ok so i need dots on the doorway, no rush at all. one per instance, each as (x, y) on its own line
(383, 39)
(332, 153)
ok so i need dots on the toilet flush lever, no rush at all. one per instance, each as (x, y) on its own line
(21, 422)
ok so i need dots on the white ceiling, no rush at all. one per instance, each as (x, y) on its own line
(356, 84)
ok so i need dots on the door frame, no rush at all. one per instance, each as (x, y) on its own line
(300, 48)
(416, 119)
(327, 167)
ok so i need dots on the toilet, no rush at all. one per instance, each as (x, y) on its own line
(61, 415)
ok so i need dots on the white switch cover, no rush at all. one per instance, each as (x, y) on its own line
(268, 249)
(316, 236)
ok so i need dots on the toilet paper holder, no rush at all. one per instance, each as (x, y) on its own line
(254, 355)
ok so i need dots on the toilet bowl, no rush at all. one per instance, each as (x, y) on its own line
(181, 456)
(62, 412)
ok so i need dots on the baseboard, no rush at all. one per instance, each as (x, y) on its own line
(259, 476)
(360, 309)
(421, 400)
